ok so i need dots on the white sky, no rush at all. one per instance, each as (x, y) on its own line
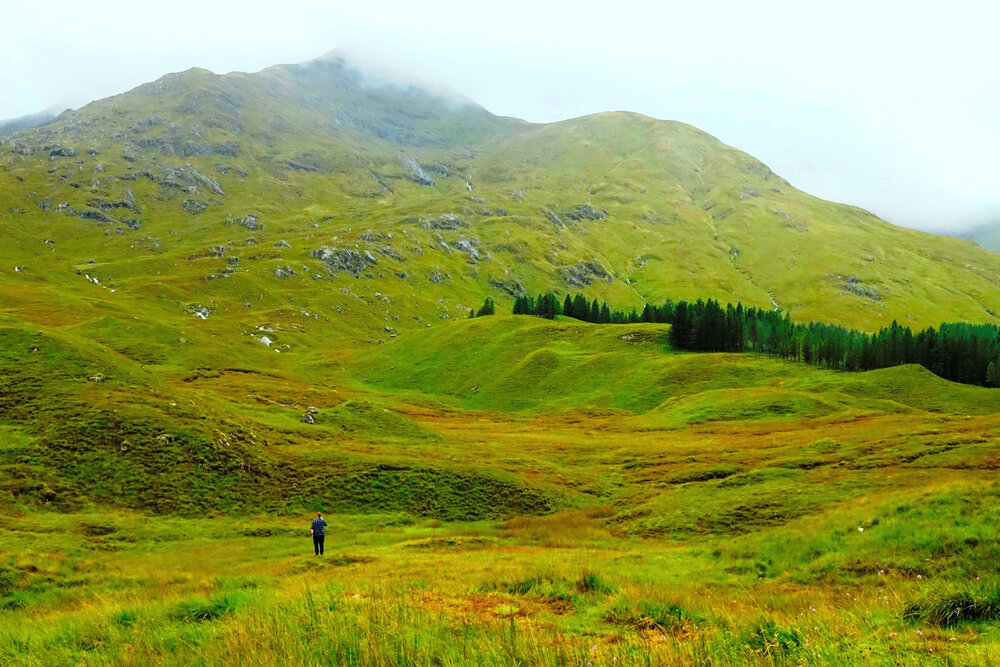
(886, 105)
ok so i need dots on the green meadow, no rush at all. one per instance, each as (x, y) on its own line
(506, 490)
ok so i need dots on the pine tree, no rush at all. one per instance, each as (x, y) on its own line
(488, 308)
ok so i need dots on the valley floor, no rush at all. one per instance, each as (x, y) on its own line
(122, 588)
(701, 509)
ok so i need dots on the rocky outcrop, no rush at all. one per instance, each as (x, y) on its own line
(127, 202)
(448, 222)
(855, 286)
(583, 274)
(310, 415)
(250, 222)
(509, 287)
(194, 206)
(585, 212)
(417, 174)
(344, 259)
(183, 178)
(470, 246)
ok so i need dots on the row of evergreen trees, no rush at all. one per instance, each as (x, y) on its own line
(548, 306)
(968, 353)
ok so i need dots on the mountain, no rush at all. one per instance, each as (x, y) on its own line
(423, 197)
(986, 236)
(24, 122)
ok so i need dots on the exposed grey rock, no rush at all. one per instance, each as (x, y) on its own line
(585, 212)
(437, 277)
(344, 259)
(470, 247)
(510, 287)
(131, 223)
(193, 149)
(284, 272)
(448, 221)
(44, 204)
(59, 151)
(194, 206)
(853, 285)
(583, 274)
(282, 244)
(417, 175)
(250, 222)
(390, 252)
(181, 178)
(90, 214)
(128, 202)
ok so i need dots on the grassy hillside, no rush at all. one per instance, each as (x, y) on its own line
(312, 188)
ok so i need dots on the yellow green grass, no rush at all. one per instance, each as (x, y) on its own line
(699, 510)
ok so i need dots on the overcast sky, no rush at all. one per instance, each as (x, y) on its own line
(884, 105)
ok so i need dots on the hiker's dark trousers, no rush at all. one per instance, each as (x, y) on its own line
(318, 543)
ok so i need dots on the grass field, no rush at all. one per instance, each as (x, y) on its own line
(558, 493)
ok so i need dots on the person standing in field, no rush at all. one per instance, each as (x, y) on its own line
(318, 533)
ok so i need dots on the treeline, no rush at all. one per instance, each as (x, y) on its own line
(549, 306)
(968, 353)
